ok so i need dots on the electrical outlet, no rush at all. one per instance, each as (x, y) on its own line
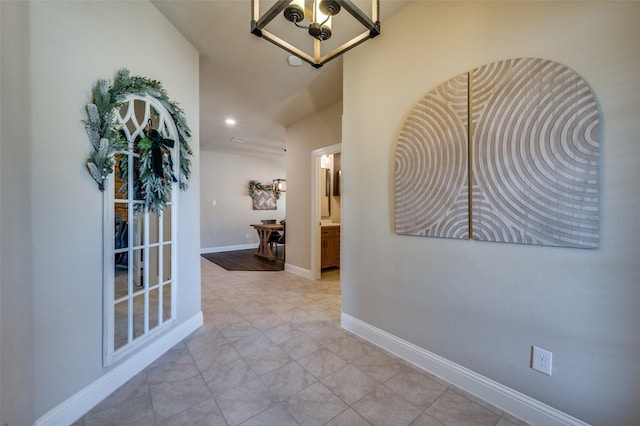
(246, 236)
(541, 360)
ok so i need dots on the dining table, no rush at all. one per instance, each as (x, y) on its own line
(264, 231)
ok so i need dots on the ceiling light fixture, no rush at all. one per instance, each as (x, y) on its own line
(319, 26)
(280, 185)
(230, 122)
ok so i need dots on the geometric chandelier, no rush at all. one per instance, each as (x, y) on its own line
(309, 25)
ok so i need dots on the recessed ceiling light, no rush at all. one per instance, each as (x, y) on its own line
(230, 121)
(238, 139)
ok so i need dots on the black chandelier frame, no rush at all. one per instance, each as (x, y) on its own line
(372, 26)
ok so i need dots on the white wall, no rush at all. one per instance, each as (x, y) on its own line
(16, 327)
(482, 305)
(225, 180)
(53, 53)
(313, 132)
(2, 232)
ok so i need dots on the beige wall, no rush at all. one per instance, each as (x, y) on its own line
(53, 53)
(225, 180)
(482, 305)
(316, 131)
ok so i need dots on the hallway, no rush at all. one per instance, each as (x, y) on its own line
(271, 352)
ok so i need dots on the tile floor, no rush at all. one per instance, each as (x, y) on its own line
(271, 352)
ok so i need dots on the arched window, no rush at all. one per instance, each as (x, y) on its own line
(140, 245)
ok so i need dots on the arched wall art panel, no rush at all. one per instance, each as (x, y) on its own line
(431, 179)
(531, 157)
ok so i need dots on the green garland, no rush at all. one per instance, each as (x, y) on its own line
(107, 139)
(254, 184)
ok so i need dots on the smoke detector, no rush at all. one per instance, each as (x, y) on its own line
(294, 61)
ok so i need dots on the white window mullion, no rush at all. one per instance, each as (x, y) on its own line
(130, 234)
(146, 270)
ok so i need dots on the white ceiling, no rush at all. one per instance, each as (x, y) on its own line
(248, 78)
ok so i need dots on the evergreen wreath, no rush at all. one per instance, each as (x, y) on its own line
(107, 139)
(255, 185)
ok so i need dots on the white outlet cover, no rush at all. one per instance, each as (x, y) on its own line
(541, 360)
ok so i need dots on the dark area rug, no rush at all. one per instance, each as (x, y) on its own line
(244, 260)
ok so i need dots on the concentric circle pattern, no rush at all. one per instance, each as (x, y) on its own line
(535, 151)
(536, 155)
(431, 165)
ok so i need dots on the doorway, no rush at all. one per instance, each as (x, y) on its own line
(325, 207)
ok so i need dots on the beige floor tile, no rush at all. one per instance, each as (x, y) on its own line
(134, 388)
(282, 332)
(209, 361)
(136, 411)
(325, 313)
(348, 418)
(349, 348)
(249, 344)
(238, 330)
(379, 365)
(385, 407)
(296, 315)
(173, 371)
(327, 335)
(477, 400)
(203, 414)
(205, 340)
(282, 306)
(314, 405)
(350, 384)
(267, 360)
(456, 410)
(309, 326)
(244, 402)
(176, 353)
(169, 398)
(322, 362)
(225, 377)
(265, 322)
(223, 319)
(275, 415)
(416, 388)
(426, 420)
(300, 346)
(287, 380)
(267, 340)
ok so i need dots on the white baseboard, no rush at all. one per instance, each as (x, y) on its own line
(219, 249)
(306, 273)
(503, 397)
(80, 403)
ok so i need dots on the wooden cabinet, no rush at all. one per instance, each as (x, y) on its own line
(330, 243)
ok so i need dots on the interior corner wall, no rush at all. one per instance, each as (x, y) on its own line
(225, 180)
(315, 131)
(53, 54)
(482, 305)
(16, 298)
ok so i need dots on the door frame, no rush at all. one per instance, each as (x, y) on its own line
(315, 251)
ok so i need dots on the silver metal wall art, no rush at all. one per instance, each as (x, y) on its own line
(531, 155)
